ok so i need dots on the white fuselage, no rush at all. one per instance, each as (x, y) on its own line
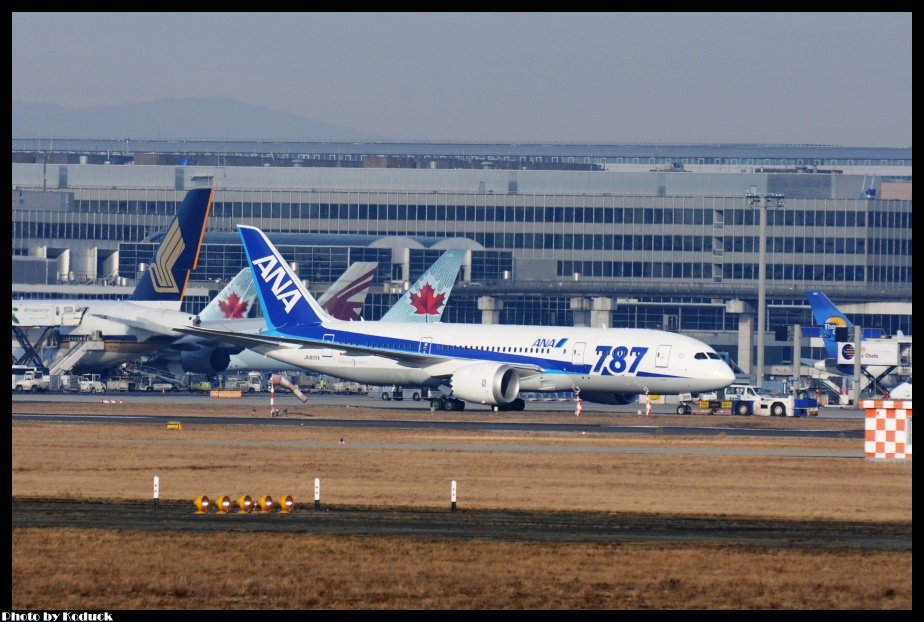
(546, 358)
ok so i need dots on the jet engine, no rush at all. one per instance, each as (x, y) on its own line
(486, 383)
(609, 397)
(206, 360)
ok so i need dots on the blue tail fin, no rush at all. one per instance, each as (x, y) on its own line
(234, 301)
(426, 300)
(829, 318)
(284, 299)
(178, 252)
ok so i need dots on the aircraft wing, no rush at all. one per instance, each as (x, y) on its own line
(435, 366)
(253, 340)
(136, 323)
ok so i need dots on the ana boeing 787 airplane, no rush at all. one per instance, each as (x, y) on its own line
(485, 364)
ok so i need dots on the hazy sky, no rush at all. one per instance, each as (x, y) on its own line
(826, 78)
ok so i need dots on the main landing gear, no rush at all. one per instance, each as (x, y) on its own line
(446, 403)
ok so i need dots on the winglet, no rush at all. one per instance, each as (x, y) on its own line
(283, 297)
(426, 300)
(178, 253)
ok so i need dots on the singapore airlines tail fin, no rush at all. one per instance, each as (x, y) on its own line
(344, 299)
(427, 298)
(178, 254)
(283, 297)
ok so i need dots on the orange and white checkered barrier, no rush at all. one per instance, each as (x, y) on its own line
(234, 395)
(888, 429)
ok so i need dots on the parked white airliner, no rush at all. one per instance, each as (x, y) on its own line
(98, 334)
(486, 364)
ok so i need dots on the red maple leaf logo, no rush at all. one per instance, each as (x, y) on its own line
(233, 308)
(426, 303)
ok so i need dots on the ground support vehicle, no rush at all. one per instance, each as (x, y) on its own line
(738, 399)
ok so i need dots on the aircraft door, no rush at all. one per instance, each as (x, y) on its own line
(328, 352)
(663, 357)
(577, 354)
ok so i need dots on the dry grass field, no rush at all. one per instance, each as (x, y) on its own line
(411, 468)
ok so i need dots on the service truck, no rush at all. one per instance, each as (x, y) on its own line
(72, 383)
(249, 383)
(90, 383)
(122, 383)
(31, 381)
(151, 383)
(743, 399)
(198, 383)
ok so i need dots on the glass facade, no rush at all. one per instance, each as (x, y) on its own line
(668, 262)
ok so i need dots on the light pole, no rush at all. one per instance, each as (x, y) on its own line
(762, 202)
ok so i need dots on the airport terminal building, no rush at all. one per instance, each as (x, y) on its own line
(635, 236)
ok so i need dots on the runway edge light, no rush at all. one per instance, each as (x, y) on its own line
(266, 503)
(202, 504)
(286, 504)
(245, 503)
(223, 504)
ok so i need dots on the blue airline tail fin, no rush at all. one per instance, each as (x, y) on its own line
(178, 253)
(829, 318)
(427, 298)
(283, 297)
(234, 302)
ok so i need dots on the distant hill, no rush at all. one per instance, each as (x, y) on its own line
(214, 118)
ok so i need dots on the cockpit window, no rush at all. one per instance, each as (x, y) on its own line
(700, 356)
(714, 356)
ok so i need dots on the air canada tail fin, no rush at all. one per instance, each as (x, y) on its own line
(178, 253)
(345, 298)
(284, 299)
(234, 302)
(427, 298)
(829, 318)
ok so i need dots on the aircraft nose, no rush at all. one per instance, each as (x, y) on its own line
(725, 374)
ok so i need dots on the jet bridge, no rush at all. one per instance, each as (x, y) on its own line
(35, 327)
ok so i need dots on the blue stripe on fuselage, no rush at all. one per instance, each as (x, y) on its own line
(314, 335)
